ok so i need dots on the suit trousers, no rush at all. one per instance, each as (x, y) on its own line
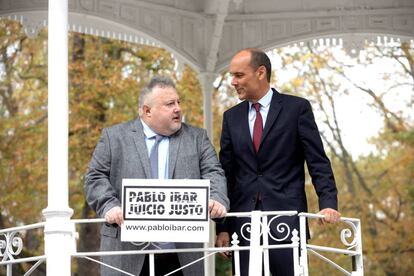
(280, 260)
(163, 264)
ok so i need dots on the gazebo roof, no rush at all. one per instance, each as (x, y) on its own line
(205, 33)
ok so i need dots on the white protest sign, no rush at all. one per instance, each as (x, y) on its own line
(165, 210)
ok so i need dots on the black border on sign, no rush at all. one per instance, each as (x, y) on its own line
(164, 187)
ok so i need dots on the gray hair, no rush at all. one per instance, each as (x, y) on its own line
(157, 81)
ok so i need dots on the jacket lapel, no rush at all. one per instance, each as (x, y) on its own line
(274, 110)
(139, 140)
(174, 146)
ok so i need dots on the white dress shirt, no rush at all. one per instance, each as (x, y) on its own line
(264, 110)
(163, 148)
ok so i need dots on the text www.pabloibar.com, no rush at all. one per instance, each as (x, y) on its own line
(163, 227)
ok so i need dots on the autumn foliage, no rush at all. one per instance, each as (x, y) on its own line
(106, 77)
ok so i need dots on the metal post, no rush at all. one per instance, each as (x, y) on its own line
(210, 262)
(236, 253)
(151, 264)
(303, 242)
(295, 243)
(59, 231)
(266, 231)
(255, 262)
(359, 267)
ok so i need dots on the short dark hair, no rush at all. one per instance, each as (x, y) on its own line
(259, 58)
(157, 81)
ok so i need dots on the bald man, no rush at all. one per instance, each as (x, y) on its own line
(265, 142)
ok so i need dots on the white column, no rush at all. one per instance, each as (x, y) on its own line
(207, 79)
(59, 231)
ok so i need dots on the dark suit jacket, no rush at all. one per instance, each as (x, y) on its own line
(290, 137)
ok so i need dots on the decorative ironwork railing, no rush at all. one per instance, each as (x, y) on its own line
(11, 245)
(256, 232)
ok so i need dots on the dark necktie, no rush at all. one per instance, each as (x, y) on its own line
(154, 156)
(258, 127)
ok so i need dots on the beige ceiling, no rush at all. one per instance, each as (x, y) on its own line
(206, 33)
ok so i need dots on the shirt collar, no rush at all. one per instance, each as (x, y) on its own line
(149, 133)
(265, 100)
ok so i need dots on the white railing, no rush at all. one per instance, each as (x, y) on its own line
(353, 247)
(255, 231)
(11, 245)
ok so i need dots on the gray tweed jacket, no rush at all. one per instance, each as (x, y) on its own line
(122, 153)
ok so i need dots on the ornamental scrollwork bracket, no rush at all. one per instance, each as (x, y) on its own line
(10, 245)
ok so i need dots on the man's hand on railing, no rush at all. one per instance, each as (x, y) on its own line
(114, 215)
(216, 209)
(330, 216)
(223, 240)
